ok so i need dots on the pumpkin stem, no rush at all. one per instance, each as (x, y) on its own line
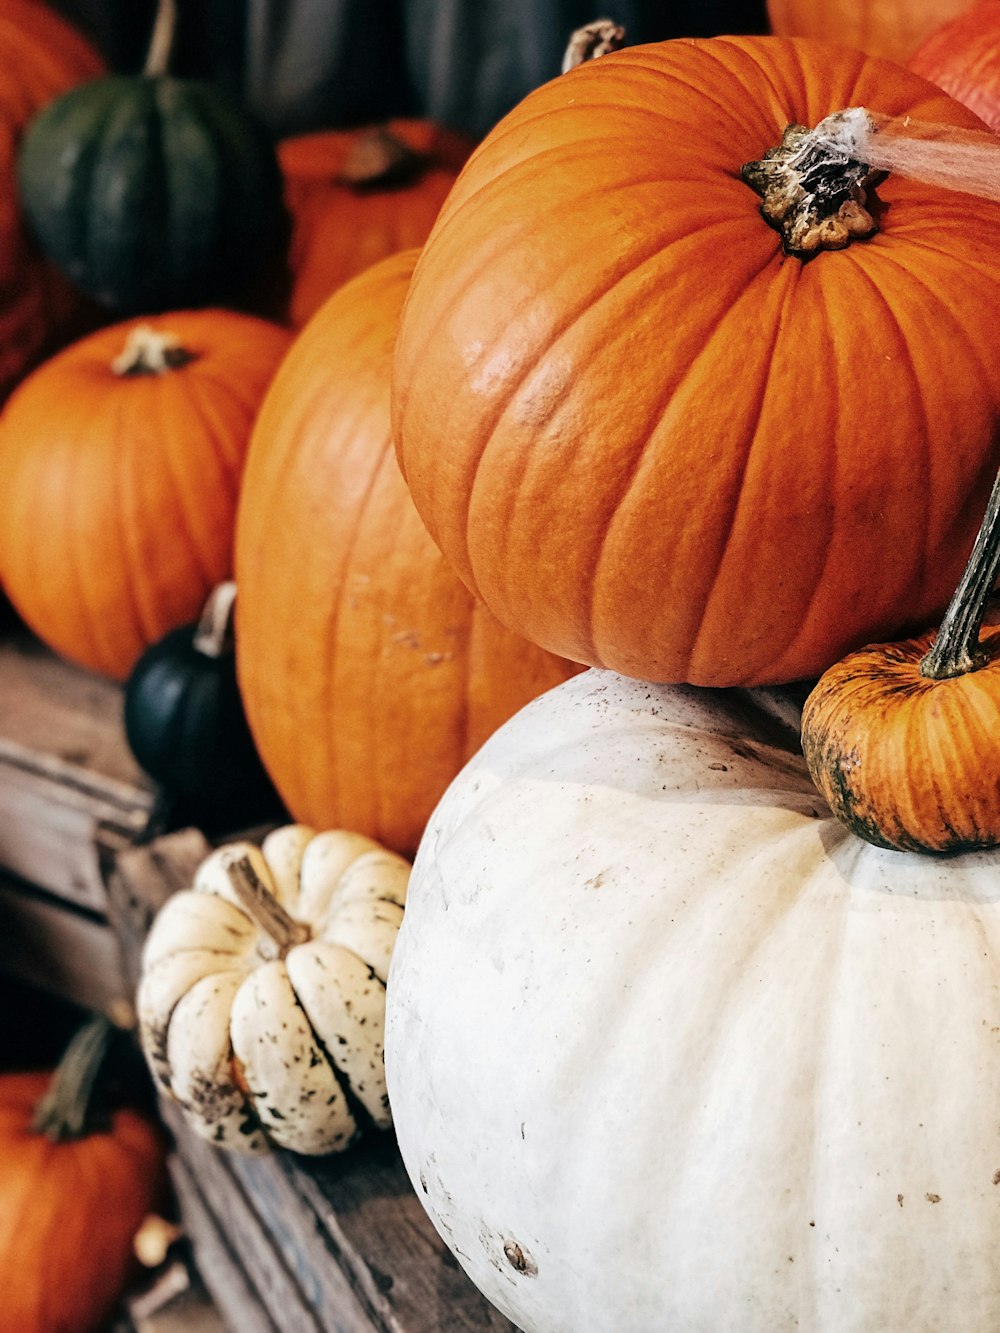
(956, 651)
(147, 351)
(813, 191)
(161, 41)
(598, 38)
(378, 159)
(67, 1110)
(214, 633)
(259, 903)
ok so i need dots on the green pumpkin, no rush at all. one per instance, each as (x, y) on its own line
(152, 193)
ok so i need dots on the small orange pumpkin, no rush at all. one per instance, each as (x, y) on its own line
(355, 196)
(369, 674)
(120, 476)
(893, 28)
(73, 1192)
(901, 738)
(650, 440)
(40, 57)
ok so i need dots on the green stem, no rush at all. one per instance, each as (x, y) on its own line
(161, 42)
(956, 651)
(66, 1111)
(260, 904)
(214, 634)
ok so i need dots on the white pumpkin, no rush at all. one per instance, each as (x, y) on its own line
(262, 997)
(669, 1049)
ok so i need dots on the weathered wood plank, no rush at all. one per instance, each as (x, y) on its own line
(73, 954)
(347, 1230)
(234, 1294)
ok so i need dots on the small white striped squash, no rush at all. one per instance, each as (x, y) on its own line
(264, 1022)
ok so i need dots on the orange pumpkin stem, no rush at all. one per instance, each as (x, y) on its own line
(812, 192)
(161, 42)
(214, 635)
(282, 930)
(956, 651)
(147, 351)
(68, 1111)
(378, 159)
(598, 38)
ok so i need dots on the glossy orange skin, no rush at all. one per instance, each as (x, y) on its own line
(70, 1212)
(368, 672)
(40, 57)
(119, 494)
(339, 231)
(963, 58)
(904, 761)
(650, 441)
(892, 28)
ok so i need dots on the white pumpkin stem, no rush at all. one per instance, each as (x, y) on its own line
(379, 158)
(259, 902)
(147, 351)
(598, 38)
(956, 651)
(66, 1111)
(161, 42)
(213, 636)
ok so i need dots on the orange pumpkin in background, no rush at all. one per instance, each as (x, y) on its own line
(963, 58)
(649, 438)
(893, 28)
(74, 1194)
(355, 196)
(41, 56)
(368, 672)
(121, 459)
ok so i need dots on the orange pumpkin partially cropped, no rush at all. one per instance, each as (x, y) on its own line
(355, 196)
(893, 28)
(649, 438)
(368, 673)
(963, 58)
(120, 476)
(40, 57)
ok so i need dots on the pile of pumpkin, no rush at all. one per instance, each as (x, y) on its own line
(667, 1044)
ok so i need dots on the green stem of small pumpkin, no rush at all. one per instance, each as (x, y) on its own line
(956, 651)
(67, 1110)
(161, 42)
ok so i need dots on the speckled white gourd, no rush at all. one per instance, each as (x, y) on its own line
(258, 1049)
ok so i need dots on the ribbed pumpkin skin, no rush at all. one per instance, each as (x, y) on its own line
(69, 1213)
(40, 57)
(368, 672)
(119, 493)
(963, 58)
(892, 28)
(650, 441)
(152, 193)
(337, 231)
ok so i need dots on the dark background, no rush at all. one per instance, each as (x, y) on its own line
(314, 64)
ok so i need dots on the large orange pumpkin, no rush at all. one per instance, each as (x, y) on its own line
(369, 674)
(355, 196)
(893, 28)
(40, 57)
(69, 1206)
(651, 440)
(963, 58)
(119, 484)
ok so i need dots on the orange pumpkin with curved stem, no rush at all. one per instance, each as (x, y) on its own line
(121, 459)
(651, 440)
(355, 196)
(40, 56)
(893, 28)
(368, 672)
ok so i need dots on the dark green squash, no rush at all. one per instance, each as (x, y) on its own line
(185, 724)
(151, 192)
